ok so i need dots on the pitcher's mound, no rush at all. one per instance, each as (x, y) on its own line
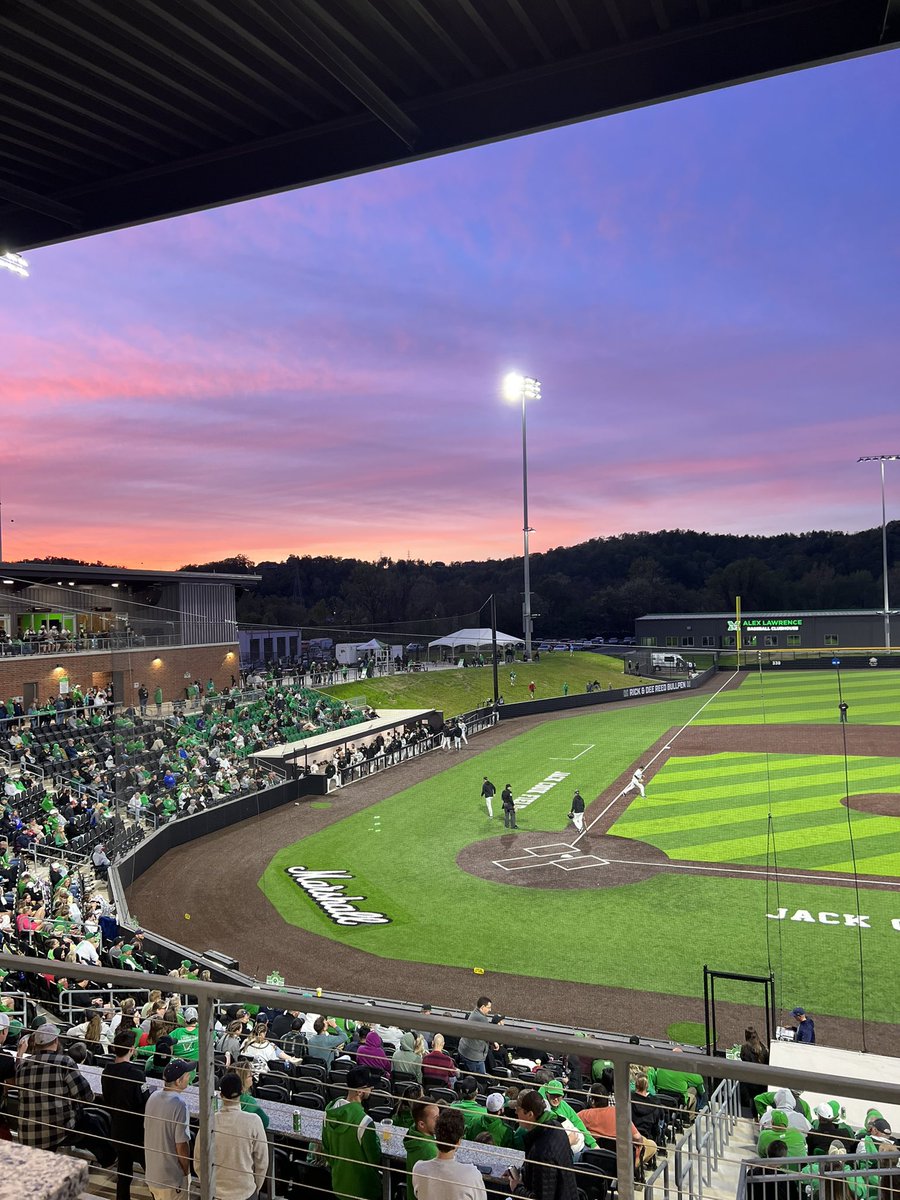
(880, 804)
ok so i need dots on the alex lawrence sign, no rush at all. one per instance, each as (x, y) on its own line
(327, 890)
(766, 624)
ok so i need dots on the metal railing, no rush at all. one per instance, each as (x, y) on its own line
(620, 1056)
(689, 1167)
(761, 1177)
(88, 644)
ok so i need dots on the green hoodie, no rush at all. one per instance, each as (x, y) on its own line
(349, 1139)
(792, 1138)
(502, 1131)
(471, 1111)
(405, 1059)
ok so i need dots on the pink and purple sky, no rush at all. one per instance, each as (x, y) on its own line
(709, 291)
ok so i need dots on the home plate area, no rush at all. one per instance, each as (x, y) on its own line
(529, 860)
(557, 854)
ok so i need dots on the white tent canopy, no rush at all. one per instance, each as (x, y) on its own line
(475, 637)
(373, 645)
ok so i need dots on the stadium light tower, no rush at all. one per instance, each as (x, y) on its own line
(521, 388)
(882, 459)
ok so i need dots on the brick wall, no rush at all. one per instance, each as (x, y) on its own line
(165, 667)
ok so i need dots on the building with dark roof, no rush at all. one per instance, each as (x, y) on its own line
(62, 625)
(798, 629)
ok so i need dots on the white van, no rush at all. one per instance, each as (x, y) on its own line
(670, 662)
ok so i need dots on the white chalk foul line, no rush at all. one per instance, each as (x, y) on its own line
(664, 749)
(736, 871)
(572, 758)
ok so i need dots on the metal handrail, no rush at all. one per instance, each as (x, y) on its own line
(838, 1167)
(621, 1056)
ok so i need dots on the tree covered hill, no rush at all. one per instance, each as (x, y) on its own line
(596, 587)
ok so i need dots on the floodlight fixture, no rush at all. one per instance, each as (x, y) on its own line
(519, 388)
(15, 263)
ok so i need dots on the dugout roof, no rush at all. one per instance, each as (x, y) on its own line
(115, 114)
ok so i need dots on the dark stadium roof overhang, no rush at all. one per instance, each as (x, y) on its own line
(28, 573)
(115, 114)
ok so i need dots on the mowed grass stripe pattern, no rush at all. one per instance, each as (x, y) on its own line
(715, 808)
(808, 698)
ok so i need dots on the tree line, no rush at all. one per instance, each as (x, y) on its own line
(595, 588)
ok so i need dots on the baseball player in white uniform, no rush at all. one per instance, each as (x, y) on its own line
(637, 783)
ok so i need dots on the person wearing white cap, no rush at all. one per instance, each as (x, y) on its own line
(499, 1128)
(52, 1098)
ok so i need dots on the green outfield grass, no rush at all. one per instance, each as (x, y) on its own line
(456, 691)
(809, 698)
(655, 935)
(715, 808)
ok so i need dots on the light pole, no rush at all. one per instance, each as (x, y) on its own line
(522, 388)
(881, 459)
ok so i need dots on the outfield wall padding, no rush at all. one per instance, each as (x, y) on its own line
(188, 829)
(530, 708)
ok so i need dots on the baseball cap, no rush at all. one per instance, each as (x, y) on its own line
(798, 1012)
(825, 1111)
(45, 1034)
(176, 1068)
(190, 1015)
(779, 1119)
(881, 1125)
(494, 1102)
(554, 1088)
(230, 1086)
(4, 1020)
(466, 1085)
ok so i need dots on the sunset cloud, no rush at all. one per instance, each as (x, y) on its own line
(708, 290)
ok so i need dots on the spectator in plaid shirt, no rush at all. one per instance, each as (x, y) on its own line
(52, 1095)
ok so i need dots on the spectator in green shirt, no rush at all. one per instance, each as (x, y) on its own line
(499, 1128)
(249, 1103)
(553, 1094)
(187, 1039)
(684, 1084)
(419, 1142)
(780, 1131)
(468, 1105)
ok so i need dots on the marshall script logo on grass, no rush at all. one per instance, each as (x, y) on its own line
(329, 896)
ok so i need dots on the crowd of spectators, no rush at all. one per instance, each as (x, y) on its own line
(54, 639)
(558, 1110)
(355, 1073)
(356, 760)
(87, 761)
